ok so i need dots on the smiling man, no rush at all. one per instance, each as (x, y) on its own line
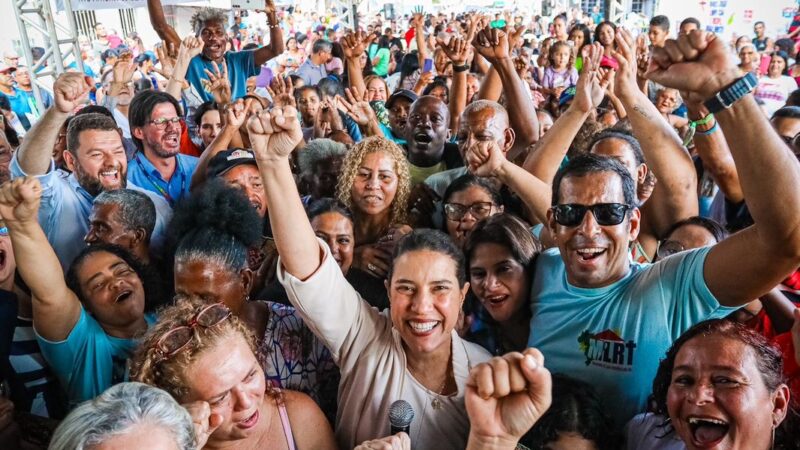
(426, 132)
(158, 166)
(210, 25)
(607, 320)
(96, 157)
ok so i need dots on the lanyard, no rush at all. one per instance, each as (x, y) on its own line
(164, 192)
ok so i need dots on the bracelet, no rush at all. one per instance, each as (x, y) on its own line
(704, 121)
(713, 129)
(459, 69)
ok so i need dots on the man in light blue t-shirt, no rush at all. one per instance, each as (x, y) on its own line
(210, 25)
(597, 316)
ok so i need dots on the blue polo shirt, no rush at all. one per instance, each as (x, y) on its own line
(142, 172)
(241, 66)
(65, 208)
(614, 337)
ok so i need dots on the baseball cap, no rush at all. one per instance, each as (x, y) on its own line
(5, 68)
(228, 159)
(402, 93)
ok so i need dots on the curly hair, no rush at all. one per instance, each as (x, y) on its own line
(769, 362)
(171, 374)
(352, 162)
(201, 17)
(218, 223)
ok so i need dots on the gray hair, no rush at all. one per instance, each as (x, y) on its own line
(116, 411)
(199, 19)
(317, 151)
(481, 105)
(322, 46)
(136, 210)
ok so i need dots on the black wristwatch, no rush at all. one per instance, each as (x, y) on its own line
(458, 69)
(731, 94)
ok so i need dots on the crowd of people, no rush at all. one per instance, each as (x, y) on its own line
(536, 233)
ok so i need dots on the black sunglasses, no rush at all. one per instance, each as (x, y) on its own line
(571, 215)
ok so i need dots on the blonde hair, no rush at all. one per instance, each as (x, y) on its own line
(352, 161)
(170, 374)
(368, 79)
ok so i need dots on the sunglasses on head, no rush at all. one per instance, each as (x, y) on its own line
(571, 215)
(178, 338)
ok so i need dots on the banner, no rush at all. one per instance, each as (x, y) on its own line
(80, 5)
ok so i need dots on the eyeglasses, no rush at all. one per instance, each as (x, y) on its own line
(479, 210)
(667, 248)
(178, 338)
(161, 123)
(571, 215)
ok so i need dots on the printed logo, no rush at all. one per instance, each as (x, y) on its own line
(607, 349)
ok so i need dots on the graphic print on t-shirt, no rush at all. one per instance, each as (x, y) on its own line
(607, 349)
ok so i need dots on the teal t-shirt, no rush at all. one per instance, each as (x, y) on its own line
(614, 337)
(241, 66)
(89, 361)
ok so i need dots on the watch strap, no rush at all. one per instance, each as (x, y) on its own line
(731, 94)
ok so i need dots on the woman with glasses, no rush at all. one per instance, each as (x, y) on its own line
(374, 185)
(218, 229)
(86, 325)
(408, 352)
(205, 357)
(694, 232)
(468, 200)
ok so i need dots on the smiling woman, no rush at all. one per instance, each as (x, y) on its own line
(98, 313)
(721, 385)
(375, 186)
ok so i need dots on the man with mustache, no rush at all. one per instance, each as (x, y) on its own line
(158, 165)
(210, 25)
(96, 157)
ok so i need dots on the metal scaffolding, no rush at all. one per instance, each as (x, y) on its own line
(37, 16)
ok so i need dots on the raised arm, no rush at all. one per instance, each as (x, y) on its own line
(159, 23)
(456, 50)
(710, 144)
(419, 34)
(547, 155)
(275, 47)
(675, 196)
(56, 309)
(494, 45)
(189, 48)
(750, 263)
(486, 159)
(273, 135)
(69, 92)
(354, 45)
(235, 115)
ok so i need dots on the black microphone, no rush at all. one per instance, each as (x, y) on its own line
(400, 416)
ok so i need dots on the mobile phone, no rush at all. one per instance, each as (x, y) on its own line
(428, 66)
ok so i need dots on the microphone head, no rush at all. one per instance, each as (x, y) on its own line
(401, 414)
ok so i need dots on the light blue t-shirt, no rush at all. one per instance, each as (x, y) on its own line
(88, 361)
(614, 337)
(65, 208)
(143, 173)
(241, 66)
